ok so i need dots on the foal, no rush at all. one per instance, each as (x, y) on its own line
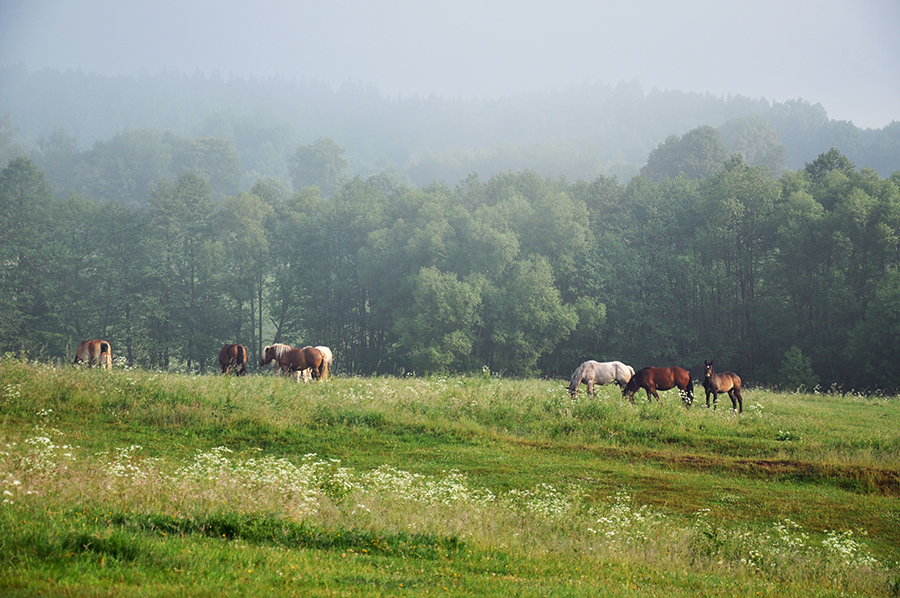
(725, 382)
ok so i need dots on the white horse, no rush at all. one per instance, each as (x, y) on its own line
(593, 372)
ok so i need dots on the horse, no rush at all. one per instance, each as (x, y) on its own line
(95, 351)
(296, 360)
(594, 372)
(279, 349)
(329, 358)
(233, 356)
(725, 382)
(652, 379)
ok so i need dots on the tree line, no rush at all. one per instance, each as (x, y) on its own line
(791, 280)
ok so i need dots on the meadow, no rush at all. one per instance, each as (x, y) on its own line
(142, 483)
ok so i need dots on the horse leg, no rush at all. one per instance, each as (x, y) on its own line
(736, 394)
(652, 388)
(590, 385)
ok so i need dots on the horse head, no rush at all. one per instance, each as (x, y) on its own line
(268, 356)
(629, 390)
(707, 369)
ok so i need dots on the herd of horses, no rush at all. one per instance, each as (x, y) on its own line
(307, 362)
(653, 379)
(315, 362)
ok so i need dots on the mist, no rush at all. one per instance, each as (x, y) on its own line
(844, 56)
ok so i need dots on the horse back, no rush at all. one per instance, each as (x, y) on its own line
(307, 357)
(727, 381)
(663, 378)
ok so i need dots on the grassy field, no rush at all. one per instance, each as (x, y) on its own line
(138, 483)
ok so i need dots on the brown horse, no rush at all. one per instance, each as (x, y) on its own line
(278, 349)
(233, 357)
(653, 379)
(326, 367)
(296, 360)
(725, 382)
(96, 351)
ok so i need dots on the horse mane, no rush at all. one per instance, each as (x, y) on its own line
(280, 349)
(576, 377)
(579, 371)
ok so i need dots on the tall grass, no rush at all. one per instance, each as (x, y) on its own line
(145, 483)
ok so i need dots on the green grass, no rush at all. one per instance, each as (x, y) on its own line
(136, 483)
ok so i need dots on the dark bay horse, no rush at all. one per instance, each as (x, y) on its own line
(296, 360)
(653, 379)
(594, 372)
(233, 357)
(96, 351)
(725, 382)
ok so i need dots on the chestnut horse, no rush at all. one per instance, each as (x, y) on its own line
(594, 372)
(326, 367)
(725, 382)
(279, 348)
(653, 379)
(96, 351)
(295, 360)
(233, 356)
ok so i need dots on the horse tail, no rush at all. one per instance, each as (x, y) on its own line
(241, 360)
(106, 362)
(690, 389)
(576, 379)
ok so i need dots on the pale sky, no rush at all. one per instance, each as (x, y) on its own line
(844, 55)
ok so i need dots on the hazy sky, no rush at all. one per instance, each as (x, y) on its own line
(842, 54)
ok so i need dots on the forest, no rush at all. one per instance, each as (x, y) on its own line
(427, 255)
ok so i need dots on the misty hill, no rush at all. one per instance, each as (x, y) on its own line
(580, 132)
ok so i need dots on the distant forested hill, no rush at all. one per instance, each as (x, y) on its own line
(580, 132)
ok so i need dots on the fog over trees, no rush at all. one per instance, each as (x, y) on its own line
(170, 214)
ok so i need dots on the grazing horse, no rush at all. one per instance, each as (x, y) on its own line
(594, 372)
(725, 382)
(96, 351)
(233, 356)
(653, 379)
(326, 368)
(295, 360)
